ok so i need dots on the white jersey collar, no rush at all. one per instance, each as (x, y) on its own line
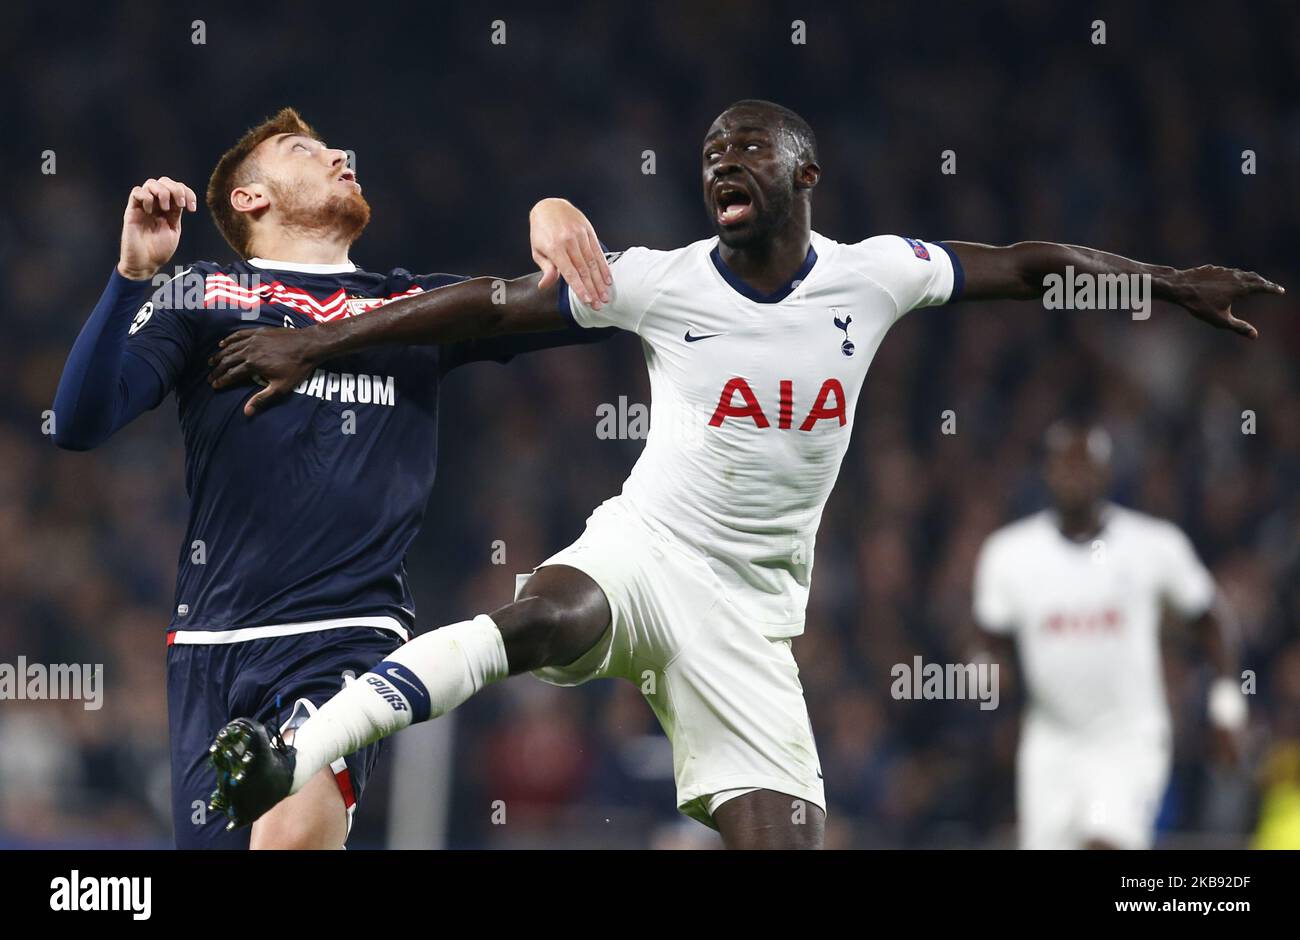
(345, 267)
(1106, 514)
(741, 287)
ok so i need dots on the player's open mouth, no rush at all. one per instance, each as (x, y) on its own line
(347, 176)
(732, 205)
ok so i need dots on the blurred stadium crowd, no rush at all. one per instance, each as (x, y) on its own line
(1134, 146)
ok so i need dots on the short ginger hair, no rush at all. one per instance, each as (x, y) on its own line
(235, 169)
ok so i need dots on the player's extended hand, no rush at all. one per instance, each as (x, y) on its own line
(275, 357)
(1208, 292)
(565, 245)
(151, 226)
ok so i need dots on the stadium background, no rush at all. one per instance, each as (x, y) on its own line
(1134, 146)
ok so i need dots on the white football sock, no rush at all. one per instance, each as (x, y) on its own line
(427, 677)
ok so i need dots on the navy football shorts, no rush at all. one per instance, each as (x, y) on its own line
(209, 685)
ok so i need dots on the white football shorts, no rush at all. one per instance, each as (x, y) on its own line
(727, 696)
(1073, 789)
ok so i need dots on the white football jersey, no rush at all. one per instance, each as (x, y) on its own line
(753, 397)
(1086, 615)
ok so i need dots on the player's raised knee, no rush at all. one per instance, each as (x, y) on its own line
(561, 614)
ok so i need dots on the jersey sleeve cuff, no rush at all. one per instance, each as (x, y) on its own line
(995, 627)
(562, 304)
(124, 289)
(1198, 608)
(958, 273)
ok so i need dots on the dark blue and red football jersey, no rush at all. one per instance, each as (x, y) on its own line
(305, 512)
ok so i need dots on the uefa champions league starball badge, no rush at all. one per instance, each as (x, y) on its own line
(846, 347)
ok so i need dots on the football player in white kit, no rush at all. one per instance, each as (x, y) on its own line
(692, 582)
(1080, 589)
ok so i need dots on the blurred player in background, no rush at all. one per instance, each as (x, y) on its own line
(693, 581)
(292, 571)
(1079, 591)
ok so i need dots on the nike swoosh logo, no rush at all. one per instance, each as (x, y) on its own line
(393, 674)
(700, 336)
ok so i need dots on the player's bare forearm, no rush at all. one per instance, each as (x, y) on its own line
(1022, 272)
(1017, 272)
(474, 309)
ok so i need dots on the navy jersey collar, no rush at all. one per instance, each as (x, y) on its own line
(780, 294)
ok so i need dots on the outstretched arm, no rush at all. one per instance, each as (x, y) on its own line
(1018, 272)
(563, 244)
(479, 308)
